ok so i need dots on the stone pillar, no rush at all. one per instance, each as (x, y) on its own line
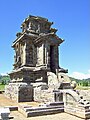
(24, 54)
(47, 55)
(40, 55)
(43, 54)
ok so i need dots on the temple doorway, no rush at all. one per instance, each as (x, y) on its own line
(52, 59)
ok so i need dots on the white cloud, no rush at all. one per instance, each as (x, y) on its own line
(89, 70)
(3, 74)
(81, 76)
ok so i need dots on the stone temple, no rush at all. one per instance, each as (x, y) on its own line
(36, 51)
(36, 75)
(36, 55)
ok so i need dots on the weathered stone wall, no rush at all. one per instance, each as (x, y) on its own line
(43, 95)
(20, 92)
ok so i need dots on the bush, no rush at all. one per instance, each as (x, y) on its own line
(85, 83)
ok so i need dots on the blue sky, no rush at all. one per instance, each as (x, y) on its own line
(70, 17)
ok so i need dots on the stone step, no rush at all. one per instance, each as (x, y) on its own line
(42, 108)
(56, 103)
(44, 112)
(12, 108)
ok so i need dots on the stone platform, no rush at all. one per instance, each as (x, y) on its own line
(44, 109)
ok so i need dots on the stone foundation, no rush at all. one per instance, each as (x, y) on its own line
(20, 92)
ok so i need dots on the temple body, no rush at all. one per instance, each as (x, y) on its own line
(36, 51)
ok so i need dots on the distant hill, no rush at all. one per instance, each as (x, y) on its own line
(74, 79)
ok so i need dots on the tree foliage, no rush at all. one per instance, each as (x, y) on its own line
(4, 79)
(83, 82)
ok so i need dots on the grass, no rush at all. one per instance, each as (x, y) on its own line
(2, 87)
(83, 87)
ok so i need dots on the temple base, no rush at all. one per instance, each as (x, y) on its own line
(20, 92)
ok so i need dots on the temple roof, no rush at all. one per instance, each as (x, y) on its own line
(38, 18)
(37, 29)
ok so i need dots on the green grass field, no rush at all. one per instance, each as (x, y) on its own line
(83, 87)
(2, 87)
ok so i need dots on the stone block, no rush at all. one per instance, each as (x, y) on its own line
(4, 113)
(25, 94)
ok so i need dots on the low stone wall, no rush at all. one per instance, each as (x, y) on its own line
(85, 94)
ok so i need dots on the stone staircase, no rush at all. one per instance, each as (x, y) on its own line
(45, 109)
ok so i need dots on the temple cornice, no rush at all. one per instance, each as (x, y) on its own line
(51, 38)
